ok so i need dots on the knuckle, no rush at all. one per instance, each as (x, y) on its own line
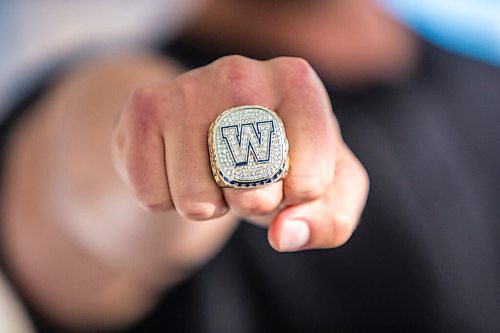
(343, 229)
(255, 205)
(303, 189)
(234, 69)
(297, 65)
(153, 202)
(155, 207)
(237, 79)
(189, 87)
(143, 106)
(143, 98)
(196, 207)
(198, 211)
(233, 65)
(298, 72)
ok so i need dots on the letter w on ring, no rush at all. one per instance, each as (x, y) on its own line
(249, 139)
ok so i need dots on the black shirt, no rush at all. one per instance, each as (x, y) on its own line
(426, 256)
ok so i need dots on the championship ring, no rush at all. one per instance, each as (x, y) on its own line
(248, 147)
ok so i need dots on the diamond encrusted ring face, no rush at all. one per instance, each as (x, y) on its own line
(248, 147)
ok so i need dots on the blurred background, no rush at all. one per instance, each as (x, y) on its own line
(34, 35)
(467, 27)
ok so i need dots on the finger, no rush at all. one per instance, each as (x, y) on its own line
(327, 222)
(194, 192)
(243, 81)
(310, 128)
(138, 153)
(258, 201)
(237, 80)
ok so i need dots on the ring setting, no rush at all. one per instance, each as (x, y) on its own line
(248, 147)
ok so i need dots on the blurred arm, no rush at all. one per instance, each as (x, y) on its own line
(76, 242)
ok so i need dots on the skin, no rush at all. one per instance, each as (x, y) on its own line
(351, 43)
(122, 205)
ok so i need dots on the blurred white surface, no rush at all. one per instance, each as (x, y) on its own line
(34, 34)
(13, 317)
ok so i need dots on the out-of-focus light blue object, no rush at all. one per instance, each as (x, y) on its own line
(467, 27)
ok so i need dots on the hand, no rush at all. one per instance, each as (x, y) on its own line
(160, 150)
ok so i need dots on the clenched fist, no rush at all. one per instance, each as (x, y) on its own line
(160, 150)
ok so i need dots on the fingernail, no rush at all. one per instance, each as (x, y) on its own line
(294, 236)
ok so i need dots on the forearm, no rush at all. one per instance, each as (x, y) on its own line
(72, 231)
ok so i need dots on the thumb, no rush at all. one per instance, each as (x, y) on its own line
(328, 221)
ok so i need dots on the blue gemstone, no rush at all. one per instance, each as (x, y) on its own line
(254, 184)
(268, 181)
(226, 179)
(232, 182)
(247, 185)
